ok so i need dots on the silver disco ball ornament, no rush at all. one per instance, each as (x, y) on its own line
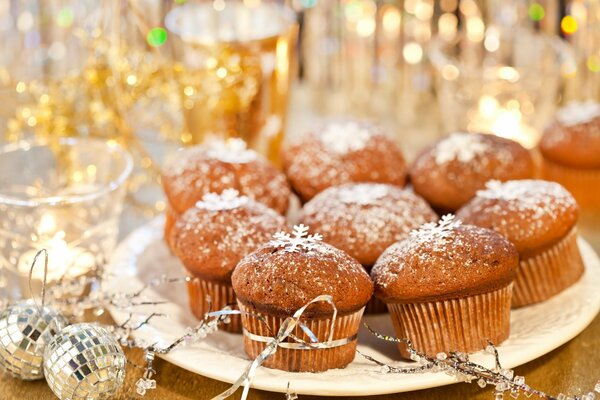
(24, 334)
(84, 362)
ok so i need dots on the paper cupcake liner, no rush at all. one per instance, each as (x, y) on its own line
(464, 324)
(375, 306)
(582, 183)
(221, 294)
(548, 273)
(302, 360)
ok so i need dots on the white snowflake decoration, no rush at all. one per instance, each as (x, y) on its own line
(461, 146)
(343, 137)
(300, 240)
(362, 194)
(232, 150)
(228, 200)
(575, 113)
(432, 232)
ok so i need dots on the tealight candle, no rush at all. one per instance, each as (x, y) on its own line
(64, 262)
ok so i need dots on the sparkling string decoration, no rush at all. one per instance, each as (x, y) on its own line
(458, 365)
(207, 326)
(290, 395)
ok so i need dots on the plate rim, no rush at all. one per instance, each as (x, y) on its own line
(140, 236)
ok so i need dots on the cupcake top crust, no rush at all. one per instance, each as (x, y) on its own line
(292, 269)
(573, 139)
(342, 151)
(219, 165)
(211, 237)
(449, 172)
(444, 260)
(532, 214)
(363, 219)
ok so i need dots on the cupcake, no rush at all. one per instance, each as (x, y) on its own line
(448, 286)
(218, 165)
(342, 151)
(212, 237)
(539, 218)
(570, 150)
(284, 275)
(364, 219)
(449, 172)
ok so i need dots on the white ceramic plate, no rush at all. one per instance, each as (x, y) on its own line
(143, 256)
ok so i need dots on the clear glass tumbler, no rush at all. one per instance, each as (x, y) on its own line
(64, 195)
(502, 82)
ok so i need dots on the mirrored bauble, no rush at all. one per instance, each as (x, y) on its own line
(24, 334)
(84, 362)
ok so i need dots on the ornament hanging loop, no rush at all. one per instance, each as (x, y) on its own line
(39, 307)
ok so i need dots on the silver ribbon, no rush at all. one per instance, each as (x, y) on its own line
(301, 345)
(285, 331)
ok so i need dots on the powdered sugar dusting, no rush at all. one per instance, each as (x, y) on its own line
(575, 113)
(522, 210)
(298, 241)
(529, 193)
(365, 225)
(228, 200)
(461, 146)
(231, 150)
(345, 136)
(362, 194)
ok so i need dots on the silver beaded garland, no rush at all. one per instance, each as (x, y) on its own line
(25, 330)
(84, 362)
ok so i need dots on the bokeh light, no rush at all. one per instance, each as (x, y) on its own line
(450, 72)
(447, 25)
(308, 3)
(391, 19)
(475, 29)
(568, 25)
(593, 63)
(424, 10)
(65, 17)
(25, 21)
(219, 5)
(157, 36)
(536, 12)
(365, 26)
(412, 53)
(492, 39)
